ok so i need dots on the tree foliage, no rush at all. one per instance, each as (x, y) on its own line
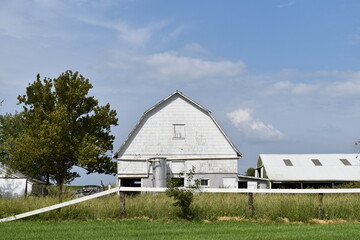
(11, 126)
(184, 196)
(63, 127)
(250, 172)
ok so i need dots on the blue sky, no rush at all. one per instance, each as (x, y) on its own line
(280, 76)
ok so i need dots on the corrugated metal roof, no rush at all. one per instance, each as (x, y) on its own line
(303, 167)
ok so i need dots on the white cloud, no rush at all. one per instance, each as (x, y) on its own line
(240, 117)
(254, 130)
(176, 32)
(323, 83)
(170, 66)
(193, 50)
(288, 4)
(131, 35)
(294, 88)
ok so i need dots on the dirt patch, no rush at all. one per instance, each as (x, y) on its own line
(287, 221)
(236, 219)
(332, 221)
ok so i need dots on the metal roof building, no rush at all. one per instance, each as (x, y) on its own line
(308, 170)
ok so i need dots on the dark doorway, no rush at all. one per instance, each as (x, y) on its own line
(242, 184)
(178, 182)
(130, 182)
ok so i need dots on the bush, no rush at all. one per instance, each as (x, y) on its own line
(184, 196)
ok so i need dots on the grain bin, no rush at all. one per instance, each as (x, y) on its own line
(159, 171)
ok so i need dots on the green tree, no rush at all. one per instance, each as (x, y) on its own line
(63, 127)
(11, 126)
(250, 172)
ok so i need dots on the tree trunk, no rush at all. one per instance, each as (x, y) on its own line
(60, 185)
(47, 179)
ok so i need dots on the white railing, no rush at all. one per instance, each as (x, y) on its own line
(246, 190)
(209, 190)
(59, 205)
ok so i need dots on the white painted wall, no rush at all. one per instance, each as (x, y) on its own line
(10, 187)
(213, 165)
(133, 167)
(229, 182)
(142, 167)
(155, 135)
(252, 185)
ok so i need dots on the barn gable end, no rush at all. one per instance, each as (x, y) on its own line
(177, 128)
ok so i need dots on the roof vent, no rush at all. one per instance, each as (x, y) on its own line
(345, 162)
(316, 162)
(288, 162)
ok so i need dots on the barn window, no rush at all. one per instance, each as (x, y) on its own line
(316, 162)
(242, 184)
(288, 162)
(204, 182)
(179, 131)
(178, 182)
(345, 162)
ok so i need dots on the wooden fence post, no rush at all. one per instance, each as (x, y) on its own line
(251, 204)
(321, 206)
(122, 205)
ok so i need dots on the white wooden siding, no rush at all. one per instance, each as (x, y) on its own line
(12, 187)
(229, 182)
(142, 168)
(133, 168)
(155, 135)
(213, 166)
(177, 167)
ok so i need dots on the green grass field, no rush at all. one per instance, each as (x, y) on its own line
(273, 207)
(175, 230)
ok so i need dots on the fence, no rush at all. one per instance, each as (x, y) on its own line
(249, 192)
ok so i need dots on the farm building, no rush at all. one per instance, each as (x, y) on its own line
(171, 138)
(308, 170)
(251, 182)
(18, 185)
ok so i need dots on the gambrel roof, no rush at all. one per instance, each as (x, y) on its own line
(158, 106)
(311, 167)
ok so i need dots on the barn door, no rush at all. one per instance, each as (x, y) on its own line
(229, 183)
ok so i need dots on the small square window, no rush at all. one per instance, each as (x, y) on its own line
(288, 162)
(179, 131)
(345, 162)
(204, 182)
(316, 162)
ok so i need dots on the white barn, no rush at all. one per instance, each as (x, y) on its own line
(172, 137)
(308, 170)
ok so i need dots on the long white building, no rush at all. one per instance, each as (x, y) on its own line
(308, 170)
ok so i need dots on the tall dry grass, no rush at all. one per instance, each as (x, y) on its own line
(209, 206)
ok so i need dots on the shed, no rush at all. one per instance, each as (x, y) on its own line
(172, 137)
(250, 182)
(18, 185)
